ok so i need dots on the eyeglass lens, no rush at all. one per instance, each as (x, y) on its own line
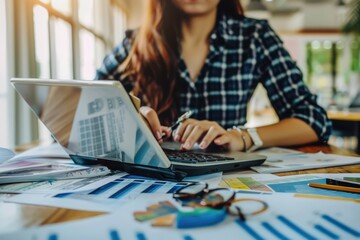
(244, 207)
(191, 191)
(217, 198)
(198, 194)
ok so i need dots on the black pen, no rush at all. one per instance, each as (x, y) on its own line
(342, 182)
(180, 119)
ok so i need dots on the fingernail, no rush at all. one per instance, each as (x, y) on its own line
(177, 138)
(202, 144)
(187, 145)
(217, 141)
(158, 135)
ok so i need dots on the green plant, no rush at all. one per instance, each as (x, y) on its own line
(352, 24)
(355, 54)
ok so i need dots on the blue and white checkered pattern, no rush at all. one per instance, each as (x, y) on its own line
(243, 53)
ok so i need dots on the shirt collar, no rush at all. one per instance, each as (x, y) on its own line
(219, 38)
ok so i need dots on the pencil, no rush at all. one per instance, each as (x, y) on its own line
(335, 187)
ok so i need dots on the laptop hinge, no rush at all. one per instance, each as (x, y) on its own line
(148, 171)
(84, 160)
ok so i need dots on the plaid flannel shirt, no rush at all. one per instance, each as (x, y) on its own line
(243, 53)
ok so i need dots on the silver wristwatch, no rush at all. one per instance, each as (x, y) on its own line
(255, 139)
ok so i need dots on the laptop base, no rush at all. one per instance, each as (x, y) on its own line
(236, 166)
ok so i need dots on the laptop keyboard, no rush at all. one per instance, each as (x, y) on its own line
(193, 157)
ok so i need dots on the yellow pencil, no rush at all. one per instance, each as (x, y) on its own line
(335, 187)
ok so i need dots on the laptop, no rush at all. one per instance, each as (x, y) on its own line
(97, 122)
(354, 105)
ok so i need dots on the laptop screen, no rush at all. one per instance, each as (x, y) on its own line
(93, 120)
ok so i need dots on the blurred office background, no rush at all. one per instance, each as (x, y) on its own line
(67, 39)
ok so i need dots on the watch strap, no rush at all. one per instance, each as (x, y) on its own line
(255, 139)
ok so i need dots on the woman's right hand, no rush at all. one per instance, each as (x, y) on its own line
(153, 123)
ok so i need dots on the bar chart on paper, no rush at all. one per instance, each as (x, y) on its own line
(126, 187)
(282, 226)
(112, 235)
(322, 226)
(105, 196)
(287, 217)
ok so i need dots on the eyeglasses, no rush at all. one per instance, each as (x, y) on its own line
(199, 195)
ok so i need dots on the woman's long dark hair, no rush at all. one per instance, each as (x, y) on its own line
(152, 61)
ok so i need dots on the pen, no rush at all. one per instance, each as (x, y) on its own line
(180, 119)
(342, 182)
(335, 187)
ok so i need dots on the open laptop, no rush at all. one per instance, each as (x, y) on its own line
(97, 122)
(354, 105)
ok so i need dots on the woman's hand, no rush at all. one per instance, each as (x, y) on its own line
(193, 131)
(153, 123)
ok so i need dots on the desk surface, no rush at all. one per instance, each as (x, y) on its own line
(343, 115)
(18, 216)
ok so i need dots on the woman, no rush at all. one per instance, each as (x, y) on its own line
(205, 56)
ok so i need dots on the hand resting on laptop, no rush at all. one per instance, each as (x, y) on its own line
(192, 131)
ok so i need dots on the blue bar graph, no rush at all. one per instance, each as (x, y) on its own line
(274, 231)
(114, 235)
(139, 180)
(152, 188)
(341, 225)
(53, 237)
(174, 189)
(160, 182)
(326, 231)
(296, 228)
(249, 230)
(124, 190)
(62, 195)
(129, 176)
(104, 188)
(187, 237)
(127, 185)
(119, 180)
(140, 236)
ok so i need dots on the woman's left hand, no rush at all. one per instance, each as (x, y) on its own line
(205, 132)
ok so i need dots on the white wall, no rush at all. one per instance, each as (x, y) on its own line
(323, 15)
(312, 15)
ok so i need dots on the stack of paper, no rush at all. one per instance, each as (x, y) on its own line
(53, 151)
(5, 154)
(27, 171)
(45, 163)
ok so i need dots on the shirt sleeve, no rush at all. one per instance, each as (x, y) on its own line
(284, 83)
(110, 68)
